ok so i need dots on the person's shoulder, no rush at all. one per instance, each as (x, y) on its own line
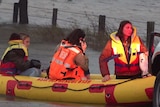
(109, 42)
(16, 53)
(25, 49)
(140, 39)
(80, 54)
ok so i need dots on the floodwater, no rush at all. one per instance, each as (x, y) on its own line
(19, 102)
(134, 10)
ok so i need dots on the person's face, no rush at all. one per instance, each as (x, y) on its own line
(26, 42)
(127, 30)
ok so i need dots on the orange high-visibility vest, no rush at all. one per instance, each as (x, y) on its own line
(63, 66)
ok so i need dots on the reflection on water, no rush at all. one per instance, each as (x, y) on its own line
(20, 102)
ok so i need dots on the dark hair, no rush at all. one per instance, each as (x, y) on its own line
(75, 36)
(121, 26)
(15, 36)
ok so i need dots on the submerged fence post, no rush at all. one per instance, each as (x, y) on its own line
(101, 28)
(101, 32)
(23, 11)
(15, 12)
(150, 29)
(150, 42)
(54, 17)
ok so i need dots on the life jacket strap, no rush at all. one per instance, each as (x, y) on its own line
(126, 65)
(118, 55)
(112, 57)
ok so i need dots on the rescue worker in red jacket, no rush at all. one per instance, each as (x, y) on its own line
(124, 47)
(69, 61)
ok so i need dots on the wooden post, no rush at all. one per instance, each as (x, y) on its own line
(54, 17)
(150, 29)
(23, 16)
(150, 42)
(101, 32)
(15, 12)
(101, 28)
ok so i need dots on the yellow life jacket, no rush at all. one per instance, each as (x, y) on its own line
(118, 48)
(9, 68)
(122, 65)
(15, 44)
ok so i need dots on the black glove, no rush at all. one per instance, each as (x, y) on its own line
(35, 63)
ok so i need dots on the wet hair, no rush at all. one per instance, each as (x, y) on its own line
(75, 36)
(24, 36)
(120, 30)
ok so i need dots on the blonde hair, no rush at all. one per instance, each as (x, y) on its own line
(24, 36)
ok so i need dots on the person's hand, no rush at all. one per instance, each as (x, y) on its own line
(106, 78)
(146, 75)
(35, 63)
(84, 46)
(146, 53)
(83, 78)
(88, 76)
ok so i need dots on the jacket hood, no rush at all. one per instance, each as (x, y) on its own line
(116, 38)
(11, 42)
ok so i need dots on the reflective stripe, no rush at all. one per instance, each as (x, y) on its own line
(138, 48)
(74, 49)
(58, 61)
(67, 65)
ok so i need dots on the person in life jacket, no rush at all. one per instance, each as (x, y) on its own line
(15, 59)
(69, 60)
(26, 40)
(124, 47)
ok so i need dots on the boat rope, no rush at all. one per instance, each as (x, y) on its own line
(21, 83)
